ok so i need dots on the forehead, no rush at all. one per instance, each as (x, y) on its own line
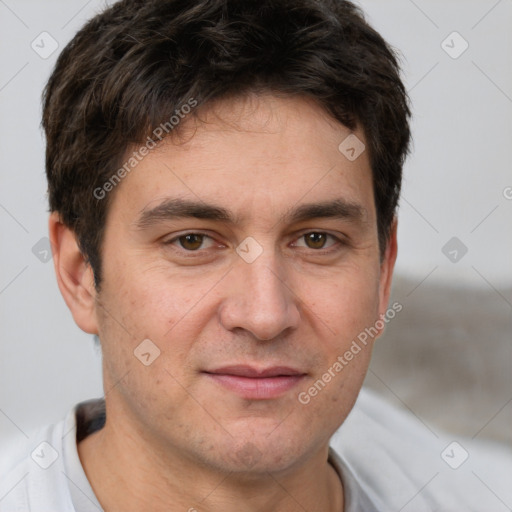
(256, 156)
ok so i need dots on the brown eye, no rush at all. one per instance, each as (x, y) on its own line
(191, 242)
(315, 240)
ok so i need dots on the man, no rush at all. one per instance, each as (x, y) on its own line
(223, 179)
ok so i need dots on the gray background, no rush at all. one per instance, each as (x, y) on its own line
(456, 184)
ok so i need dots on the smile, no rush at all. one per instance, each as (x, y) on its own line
(253, 384)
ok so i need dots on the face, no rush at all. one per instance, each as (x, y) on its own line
(247, 253)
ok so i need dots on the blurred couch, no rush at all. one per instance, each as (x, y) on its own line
(447, 357)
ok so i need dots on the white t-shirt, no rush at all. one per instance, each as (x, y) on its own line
(387, 459)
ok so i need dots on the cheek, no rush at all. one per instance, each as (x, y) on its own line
(149, 375)
(347, 304)
(153, 303)
(349, 307)
(167, 309)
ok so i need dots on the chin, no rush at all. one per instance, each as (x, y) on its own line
(251, 453)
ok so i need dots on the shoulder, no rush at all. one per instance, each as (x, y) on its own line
(404, 464)
(32, 473)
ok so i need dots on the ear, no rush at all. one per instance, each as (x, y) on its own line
(74, 276)
(386, 269)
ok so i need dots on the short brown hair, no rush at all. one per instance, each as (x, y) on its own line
(132, 67)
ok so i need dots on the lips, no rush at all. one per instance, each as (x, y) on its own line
(256, 383)
(250, 372)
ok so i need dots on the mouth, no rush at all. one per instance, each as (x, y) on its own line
(256, 384)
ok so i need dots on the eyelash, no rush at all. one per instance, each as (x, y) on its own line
(338, 243)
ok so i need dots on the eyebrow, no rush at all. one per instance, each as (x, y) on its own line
(181, 208)
(174, 208)
(338, 208)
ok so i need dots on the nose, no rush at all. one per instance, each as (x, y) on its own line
(259, 301)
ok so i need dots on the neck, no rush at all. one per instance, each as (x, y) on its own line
(130, 472)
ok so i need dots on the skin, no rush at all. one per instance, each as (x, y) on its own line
(173, 435)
